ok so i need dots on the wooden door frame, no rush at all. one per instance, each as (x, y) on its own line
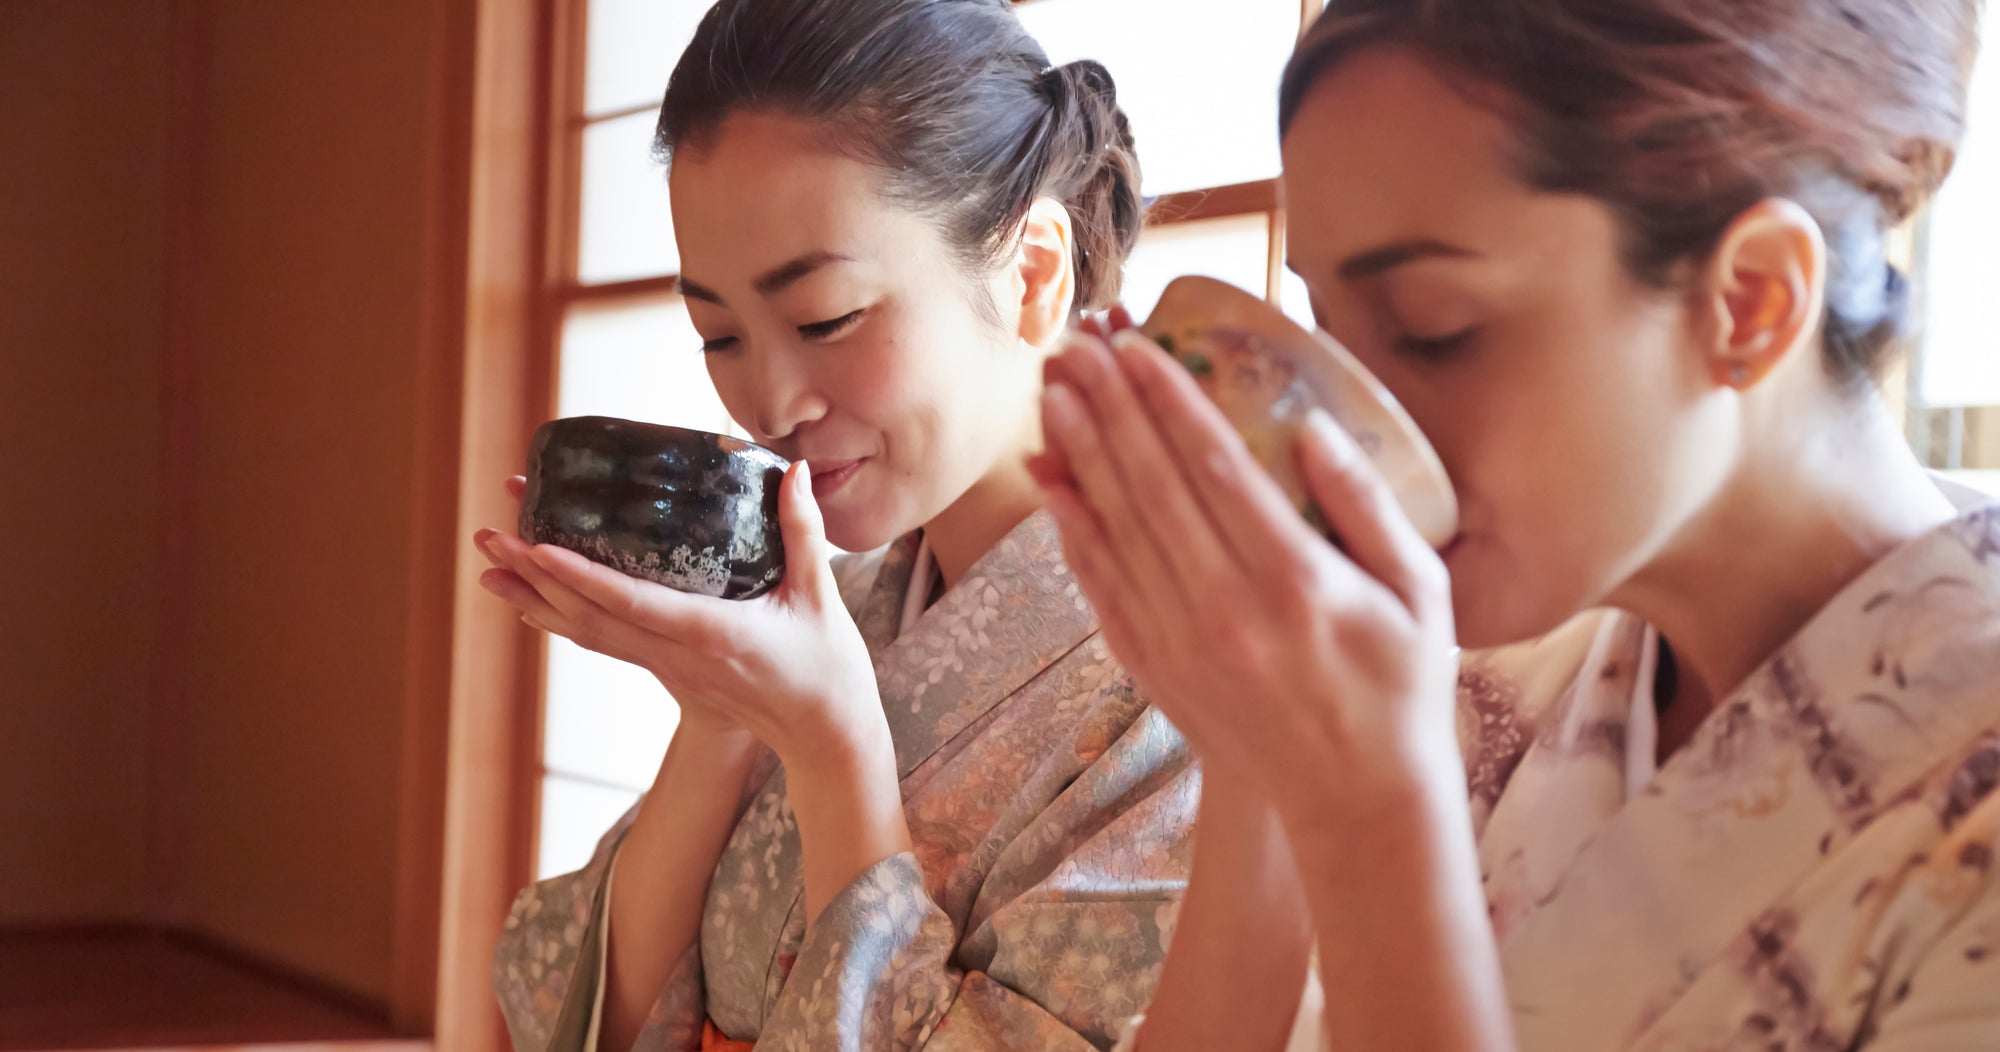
(490, 388)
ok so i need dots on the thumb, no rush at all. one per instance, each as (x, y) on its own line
(808, 569)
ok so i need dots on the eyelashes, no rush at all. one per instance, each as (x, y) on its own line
(1434, 349)
(815, 332)
(827, 330)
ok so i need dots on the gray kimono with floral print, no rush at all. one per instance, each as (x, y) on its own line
(1050, 809)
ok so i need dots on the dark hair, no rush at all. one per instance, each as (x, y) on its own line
(951, 98)
(1681, 114)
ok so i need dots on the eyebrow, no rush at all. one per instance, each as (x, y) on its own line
(774, 281)
(1377, 262)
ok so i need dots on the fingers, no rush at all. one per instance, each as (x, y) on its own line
(1255, 517)
(1364, 515)
(653, 610)
(808, 556)
(1072, 431)
(1091, 558)
(517, 486)
(1174, 522)
(560, 607)
(509, 586)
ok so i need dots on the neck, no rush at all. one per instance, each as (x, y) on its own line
(1772, 549)
(968, 529)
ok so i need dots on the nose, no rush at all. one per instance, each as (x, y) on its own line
(783, 397)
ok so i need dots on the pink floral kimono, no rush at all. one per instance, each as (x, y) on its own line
(1815, 870)
(1051, 812)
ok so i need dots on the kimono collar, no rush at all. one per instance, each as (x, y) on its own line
(1015, 613)
(1901, 666)
(1894, 677)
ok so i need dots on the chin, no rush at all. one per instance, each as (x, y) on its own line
(1498, 609)
(862, 527)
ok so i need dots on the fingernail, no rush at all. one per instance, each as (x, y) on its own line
(1132, 341)
(489, 582)
(1331, 435)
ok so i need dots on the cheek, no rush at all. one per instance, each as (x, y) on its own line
(1556, 438)
(726, 372)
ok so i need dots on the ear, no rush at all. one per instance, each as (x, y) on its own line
(1045, 275)
(1763, 292)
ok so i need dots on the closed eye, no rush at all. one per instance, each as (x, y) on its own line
(1435, 348)
(718, 345)
(827, 330)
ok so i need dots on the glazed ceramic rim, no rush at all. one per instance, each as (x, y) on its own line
(732, 445)
(1327, 375)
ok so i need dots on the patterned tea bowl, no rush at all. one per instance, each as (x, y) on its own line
(694, 511)
(1266, 372)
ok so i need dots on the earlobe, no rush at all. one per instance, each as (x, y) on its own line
(1767, 284)
(1047, 275)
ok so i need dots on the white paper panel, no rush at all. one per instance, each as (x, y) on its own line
(1961, 348)
(626, 229)
(607, 721)
(1236, 249)
(633, 47)
(640, 362)
(1296, 300)
(1198, 78)
(574, 816)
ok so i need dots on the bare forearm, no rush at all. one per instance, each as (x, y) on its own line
(849, 808)
(664, 868)
(1407, 955)
(1238, 960)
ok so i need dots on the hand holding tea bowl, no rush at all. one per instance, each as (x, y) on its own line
(1273, 583)
(750, 637)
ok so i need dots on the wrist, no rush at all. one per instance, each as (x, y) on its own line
(839, 754)
(842, 739)
(1408, 813)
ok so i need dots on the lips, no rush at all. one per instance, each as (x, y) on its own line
(829, 477)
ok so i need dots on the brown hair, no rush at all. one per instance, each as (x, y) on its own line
(951, 98)
(1681, 114)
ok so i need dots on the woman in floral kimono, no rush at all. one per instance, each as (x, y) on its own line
(1625, 263)
(912, 803)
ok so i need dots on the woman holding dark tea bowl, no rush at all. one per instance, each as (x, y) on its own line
(911, 803)
(1626, 264)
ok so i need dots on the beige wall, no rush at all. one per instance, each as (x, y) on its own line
(293, 196)
(82, 312)
(306, 321)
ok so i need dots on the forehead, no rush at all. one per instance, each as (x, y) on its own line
(1384, 149)
(767, 188)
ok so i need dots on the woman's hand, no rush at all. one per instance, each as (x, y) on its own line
(788, 666)
(1315, 672)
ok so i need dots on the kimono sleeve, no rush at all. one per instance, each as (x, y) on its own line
(548, 971)
(1059, 964)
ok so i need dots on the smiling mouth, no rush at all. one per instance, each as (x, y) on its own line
(828, 479)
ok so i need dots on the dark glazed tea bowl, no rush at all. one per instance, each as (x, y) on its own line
(694, 511)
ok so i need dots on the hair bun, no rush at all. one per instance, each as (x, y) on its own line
(1094, 170)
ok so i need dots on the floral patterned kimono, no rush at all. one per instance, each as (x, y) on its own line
(1050, 809)
(1814, 870)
